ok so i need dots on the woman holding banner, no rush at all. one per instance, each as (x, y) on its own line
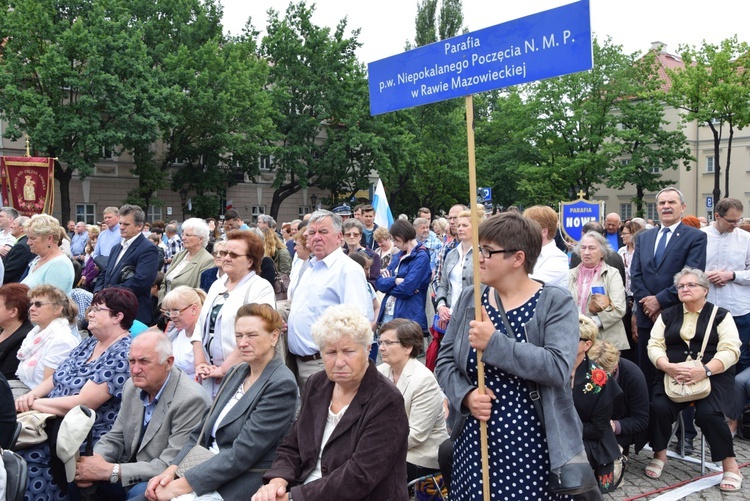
(541, 350)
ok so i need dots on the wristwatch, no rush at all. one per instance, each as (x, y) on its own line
(114, 477)
(708, 371)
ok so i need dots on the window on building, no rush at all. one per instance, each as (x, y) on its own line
(257, 211)
(108, 153)
(265, 162)
(624, 161)
(654, 170)
(626, 211)
(304, 209)
(651, 212)
(153, 213)
(86, 213)
(710, 164)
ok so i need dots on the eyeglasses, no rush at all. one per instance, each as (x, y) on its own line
(691, 285)
(174, 312)
(352, 235)
(733, 222)
(38, 304)
(388, 343)
(488, 253)
(230, 254)
(97, 309)
(188, 235)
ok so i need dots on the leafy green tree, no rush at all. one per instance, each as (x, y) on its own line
(576, 119)
(76, 78)
(713, 89)
(319, 91)
(644, 136)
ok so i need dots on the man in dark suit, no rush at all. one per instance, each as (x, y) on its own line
(19, 256)
(133, 262)
(659, 254)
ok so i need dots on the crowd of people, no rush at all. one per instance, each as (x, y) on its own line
(332, 358)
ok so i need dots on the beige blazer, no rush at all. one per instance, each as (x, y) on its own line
(612, 329)
(190, 274)
(424, 407)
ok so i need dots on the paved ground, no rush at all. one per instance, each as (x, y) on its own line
(636, 484)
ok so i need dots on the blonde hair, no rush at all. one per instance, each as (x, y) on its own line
(588, 329)
(58, 297)
(605, 355)
(44, 225)
(183, 295)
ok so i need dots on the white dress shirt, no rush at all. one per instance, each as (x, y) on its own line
(729, 252)
(552, 266)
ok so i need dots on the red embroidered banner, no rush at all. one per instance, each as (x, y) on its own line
(28, 184)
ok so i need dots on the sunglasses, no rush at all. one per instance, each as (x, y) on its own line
(230, 254)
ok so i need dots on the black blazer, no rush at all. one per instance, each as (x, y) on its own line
(17, 260)
(686, 247)
(144, 257)
(9, 348)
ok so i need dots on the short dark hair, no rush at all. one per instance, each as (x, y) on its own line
(367, 208)
(139, 217)
(118, 300)
(232, 214)
(403, 229)
(511, 230)
(254, 244)
(408, 333)
(16, 296)
(725, 204)
(593, 226)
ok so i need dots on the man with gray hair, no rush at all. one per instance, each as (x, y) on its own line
(266, 221)
(332, 278)
(429, 239)
(133, 263)
(20, 255)
(7, 215)
(160, 407)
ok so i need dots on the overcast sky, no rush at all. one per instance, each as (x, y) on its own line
(387, 24)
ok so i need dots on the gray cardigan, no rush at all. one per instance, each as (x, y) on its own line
(443, 293)
(248, 435)
(546, 359)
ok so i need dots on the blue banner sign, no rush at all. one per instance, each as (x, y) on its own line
(573, 215)
(544, 45)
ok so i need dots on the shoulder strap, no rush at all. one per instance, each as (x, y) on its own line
(708, 332)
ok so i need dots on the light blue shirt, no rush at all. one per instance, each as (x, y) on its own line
(107, 239)
(78, 243)
(150, 406)
(335, 279)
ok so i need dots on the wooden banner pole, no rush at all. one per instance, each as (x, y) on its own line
(477, 293)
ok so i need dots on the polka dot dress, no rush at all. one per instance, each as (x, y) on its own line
(519, 459)
(112, 368)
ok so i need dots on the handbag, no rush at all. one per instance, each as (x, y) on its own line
(681, 392)
(280, 284)
(574, 477)
(33, 428)
(199, 454)
(599, 303)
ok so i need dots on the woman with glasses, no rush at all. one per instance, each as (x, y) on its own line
(458, 269)
(353, 231)
(92, 375)
(407, 278)
(182, 306)
(51, 340)
(194, 259)
(400, 343)
(539, 349)
(385, 248)
(598, 290)
(240, 284)
(209, 276)
(678, 333)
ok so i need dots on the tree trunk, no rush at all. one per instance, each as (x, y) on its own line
(729, 158)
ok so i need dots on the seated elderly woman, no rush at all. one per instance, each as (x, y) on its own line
(252, 412)
(182, 306)
(51, 266)
(352, 432)
(186, 267)
(50, 342)
(93, 375)
(400, 342)
(680, 330)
